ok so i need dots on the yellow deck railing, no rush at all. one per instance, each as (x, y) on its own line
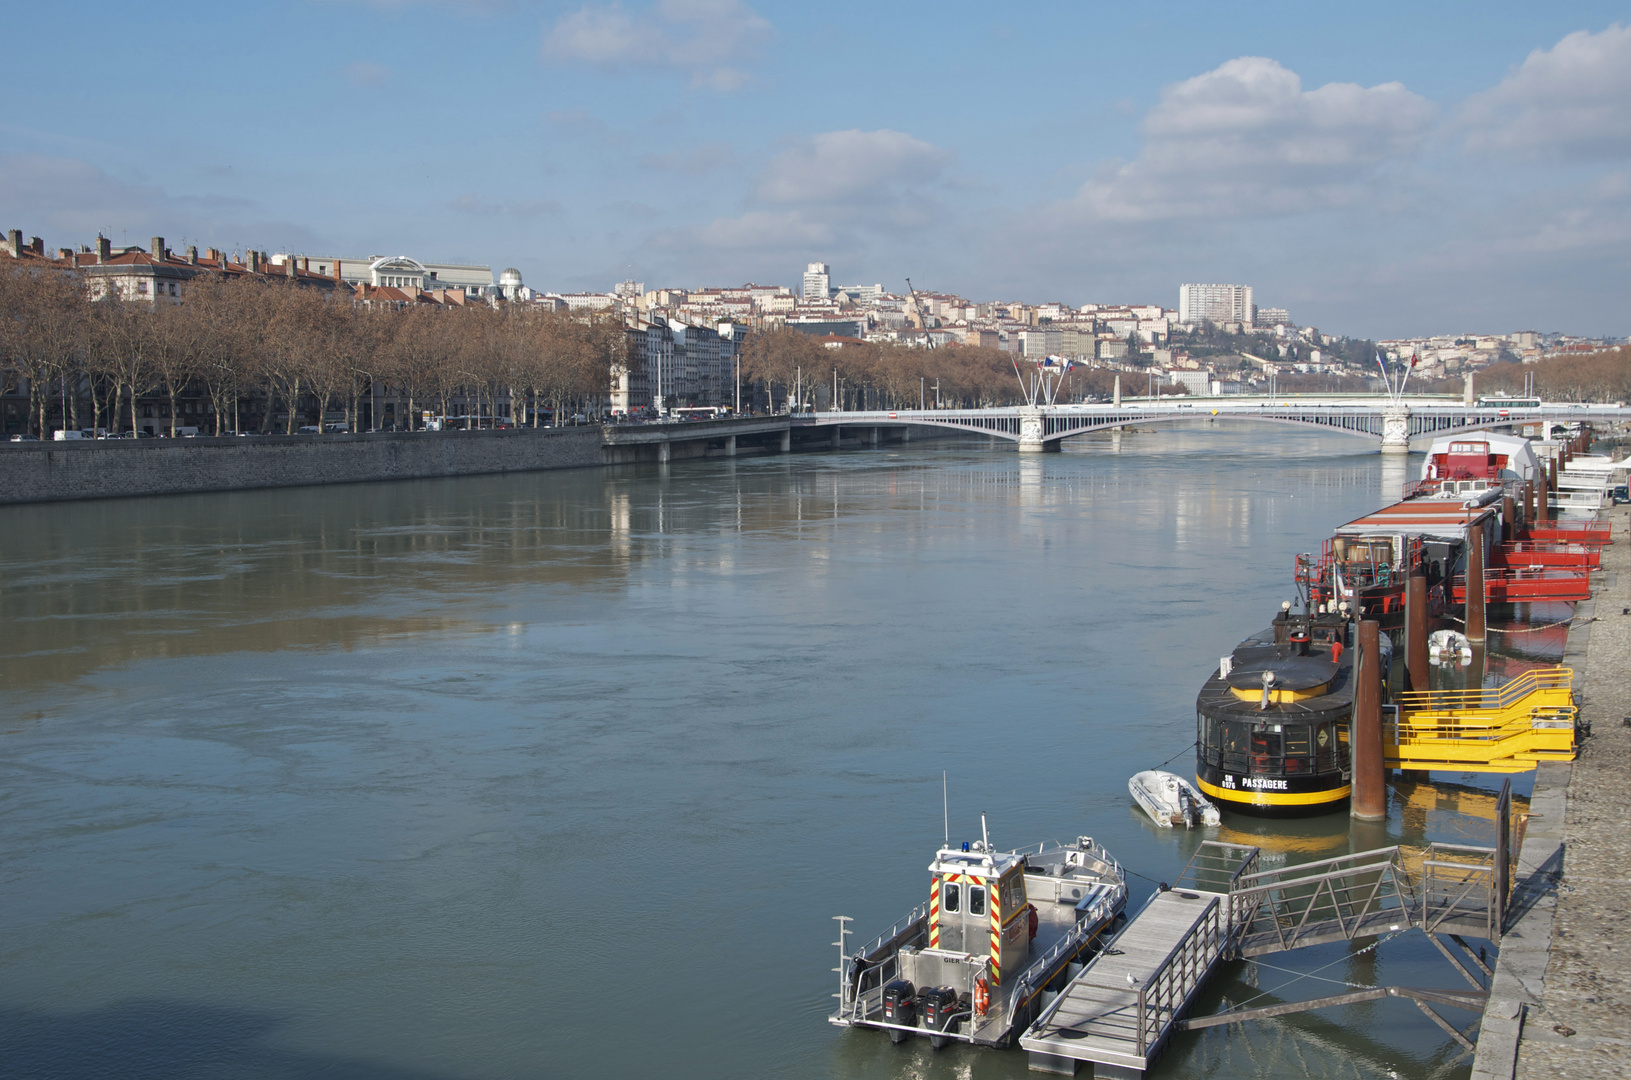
(1509, 728)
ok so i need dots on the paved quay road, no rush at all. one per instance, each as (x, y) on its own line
(1580, 1026)
(565, 774)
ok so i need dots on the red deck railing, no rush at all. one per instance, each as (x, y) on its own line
(1532, 553)
(1508, 586)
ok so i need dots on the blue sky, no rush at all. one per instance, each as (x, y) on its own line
(1379, 169)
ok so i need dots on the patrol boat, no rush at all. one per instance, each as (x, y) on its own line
(1000, 927)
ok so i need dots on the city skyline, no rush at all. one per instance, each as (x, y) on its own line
(1470, 174)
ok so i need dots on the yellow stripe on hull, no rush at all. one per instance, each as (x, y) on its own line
(1274, 798)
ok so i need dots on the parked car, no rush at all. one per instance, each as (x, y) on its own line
(67, 436)
(25, 438)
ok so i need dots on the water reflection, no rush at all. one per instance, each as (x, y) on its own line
(454, 777)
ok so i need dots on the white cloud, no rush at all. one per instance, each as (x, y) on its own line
(705, 39)
(1246, 140)
(852, 166)
(1573, 99)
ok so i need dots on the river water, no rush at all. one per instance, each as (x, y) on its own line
(565, 774)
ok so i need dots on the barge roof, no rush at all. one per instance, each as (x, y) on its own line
(1420, 517)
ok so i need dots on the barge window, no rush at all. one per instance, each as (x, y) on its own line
(976, 900)
(1299, 748)
(1267, 745)
(1234, 745)
(950, 897)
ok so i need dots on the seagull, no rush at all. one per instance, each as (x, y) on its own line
(1130, 980)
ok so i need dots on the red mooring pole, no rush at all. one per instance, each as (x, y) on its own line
(1369, 777)
(1415, 646)
(1475, 582)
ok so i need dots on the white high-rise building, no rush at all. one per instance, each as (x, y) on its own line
(1217, 303)
(817, 282)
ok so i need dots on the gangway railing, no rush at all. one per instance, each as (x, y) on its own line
(1460, 891)
(1217, 865)
(1558, 680)
(1337, 899)
(1165, 992)
(1509, 728)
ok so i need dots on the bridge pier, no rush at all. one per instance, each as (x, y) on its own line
(1396, 429)
(837, 437)
(665, 450)
(730, 446)
(874, 437)
(787, 441)
(1030, 431)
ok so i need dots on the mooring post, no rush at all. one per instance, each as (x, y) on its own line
(1509, 519)
(1475, 583)
(1415, 646)
(1369, 801)
(1528, 502)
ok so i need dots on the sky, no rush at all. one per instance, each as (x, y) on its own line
(1380, 170)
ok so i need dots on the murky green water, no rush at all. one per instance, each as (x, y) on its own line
(564, 774)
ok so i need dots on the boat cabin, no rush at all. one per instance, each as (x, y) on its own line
(978, 906)
(1464, 465)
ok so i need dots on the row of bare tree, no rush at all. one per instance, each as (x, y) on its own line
(888, 376)
(1601, 376)
(261, 346)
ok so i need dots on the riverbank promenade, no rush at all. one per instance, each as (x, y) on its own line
(1559, 1002)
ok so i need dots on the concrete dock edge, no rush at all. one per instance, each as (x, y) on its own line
(1557, 1004)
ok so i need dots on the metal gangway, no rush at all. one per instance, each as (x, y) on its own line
(1120, 1010)
(1504, 729)
(1126, 1004)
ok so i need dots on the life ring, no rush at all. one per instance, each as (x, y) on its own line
(982, 996)
(1034, 920)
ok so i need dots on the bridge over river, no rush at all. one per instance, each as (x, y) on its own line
(1392, 424)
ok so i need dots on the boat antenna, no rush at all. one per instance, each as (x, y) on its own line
(945, 807)
(985, 835)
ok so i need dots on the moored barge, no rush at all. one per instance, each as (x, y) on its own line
(1272, 721)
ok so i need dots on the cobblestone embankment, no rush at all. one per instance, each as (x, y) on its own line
(1562, 989)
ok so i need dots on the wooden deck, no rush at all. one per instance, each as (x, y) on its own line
(1169, 949)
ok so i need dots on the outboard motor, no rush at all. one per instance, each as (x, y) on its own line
(937, 1004)
(899, 1007)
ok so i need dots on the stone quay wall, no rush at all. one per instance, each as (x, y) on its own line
(59, 471)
